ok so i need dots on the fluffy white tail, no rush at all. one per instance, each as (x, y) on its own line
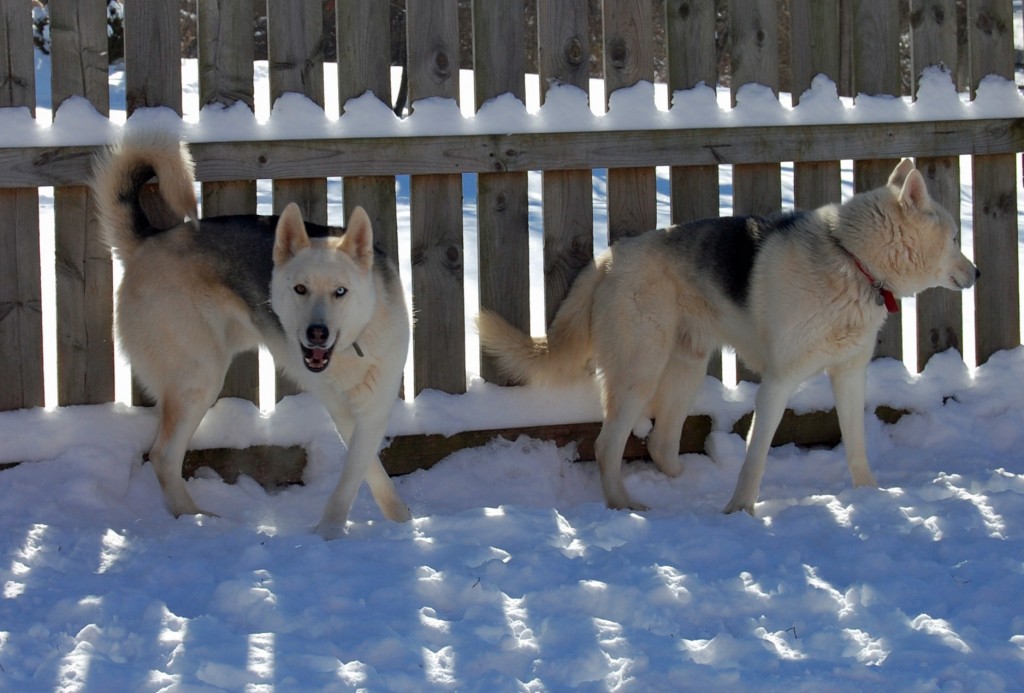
(562, 355)
(118, 177)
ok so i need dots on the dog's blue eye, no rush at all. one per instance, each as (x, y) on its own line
(340, 291)
(300, 289)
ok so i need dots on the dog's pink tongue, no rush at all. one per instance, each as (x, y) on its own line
(318, 355)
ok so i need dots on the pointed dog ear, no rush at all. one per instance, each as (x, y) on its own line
(900, 173)
(358, 238)
(291, 236)
(914, 194)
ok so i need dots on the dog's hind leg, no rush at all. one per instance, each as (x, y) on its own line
(622, 410)
(181, 409)
(678, 388)
(769, 406)
(848, 384)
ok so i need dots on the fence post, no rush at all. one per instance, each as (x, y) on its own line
(435, 201)
(563, 49)
(21, 319)
(997, 296)
(933, 36)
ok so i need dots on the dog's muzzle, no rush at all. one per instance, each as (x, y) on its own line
(316, 353)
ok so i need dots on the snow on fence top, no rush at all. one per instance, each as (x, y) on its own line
(828, 47)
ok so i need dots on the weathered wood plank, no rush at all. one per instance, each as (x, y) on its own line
(21, 326)
(814, 50)
(295, 43)
(439, 155)
(690, 31)
(628, 60)
(563, 48)
(17, 67)
(152, 55)
(364, 51)
(933, 41)
(435, 208)
(406, 454)
(690, 38)
(21, 319)
(503, 232)
(754, 34)
(226, 52)
(877, 70)
(753, 27)
(84, 277)
(997, 299)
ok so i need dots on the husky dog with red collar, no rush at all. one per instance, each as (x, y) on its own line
(195, 292)
(794, 293)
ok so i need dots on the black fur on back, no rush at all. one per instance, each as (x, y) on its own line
(727, 248)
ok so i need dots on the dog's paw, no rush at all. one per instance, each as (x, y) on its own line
(330, 530)
(627, 504)
(397, 513)
(737, 505)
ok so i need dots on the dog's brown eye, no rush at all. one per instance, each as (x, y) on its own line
(300, 289)
(340, 291)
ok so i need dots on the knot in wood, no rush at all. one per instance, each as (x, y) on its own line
(453, 257)
(574, 51)
(618, 53)
(684, 10)
(442, 63)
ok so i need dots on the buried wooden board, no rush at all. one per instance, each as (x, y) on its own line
(273, 466)
(408, 453)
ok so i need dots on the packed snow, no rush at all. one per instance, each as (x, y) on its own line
(513, 575)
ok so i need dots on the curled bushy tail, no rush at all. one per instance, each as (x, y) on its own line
(562, 355)
(121, 171)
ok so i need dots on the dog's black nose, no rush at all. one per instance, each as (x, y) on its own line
(977, 273)
(317, 335)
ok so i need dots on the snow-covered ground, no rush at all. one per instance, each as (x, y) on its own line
(513, 575)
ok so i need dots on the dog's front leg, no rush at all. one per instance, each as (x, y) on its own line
(769, 406)
(848, 385)
(363, 438)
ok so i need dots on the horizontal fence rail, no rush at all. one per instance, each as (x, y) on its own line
(861, 45)
(457, 154)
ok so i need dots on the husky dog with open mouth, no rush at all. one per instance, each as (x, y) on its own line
(197, 292)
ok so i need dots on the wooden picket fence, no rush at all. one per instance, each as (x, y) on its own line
(860, 38)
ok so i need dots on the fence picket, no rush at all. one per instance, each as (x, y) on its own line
(503, 231)
(435, 208)
(876, 71)
(628, 59)
(21, 326)
(84, 276)
(364, 64)
(997, 301)
(933, 42)
(563, 47)
(757, 188)
(226, 52)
